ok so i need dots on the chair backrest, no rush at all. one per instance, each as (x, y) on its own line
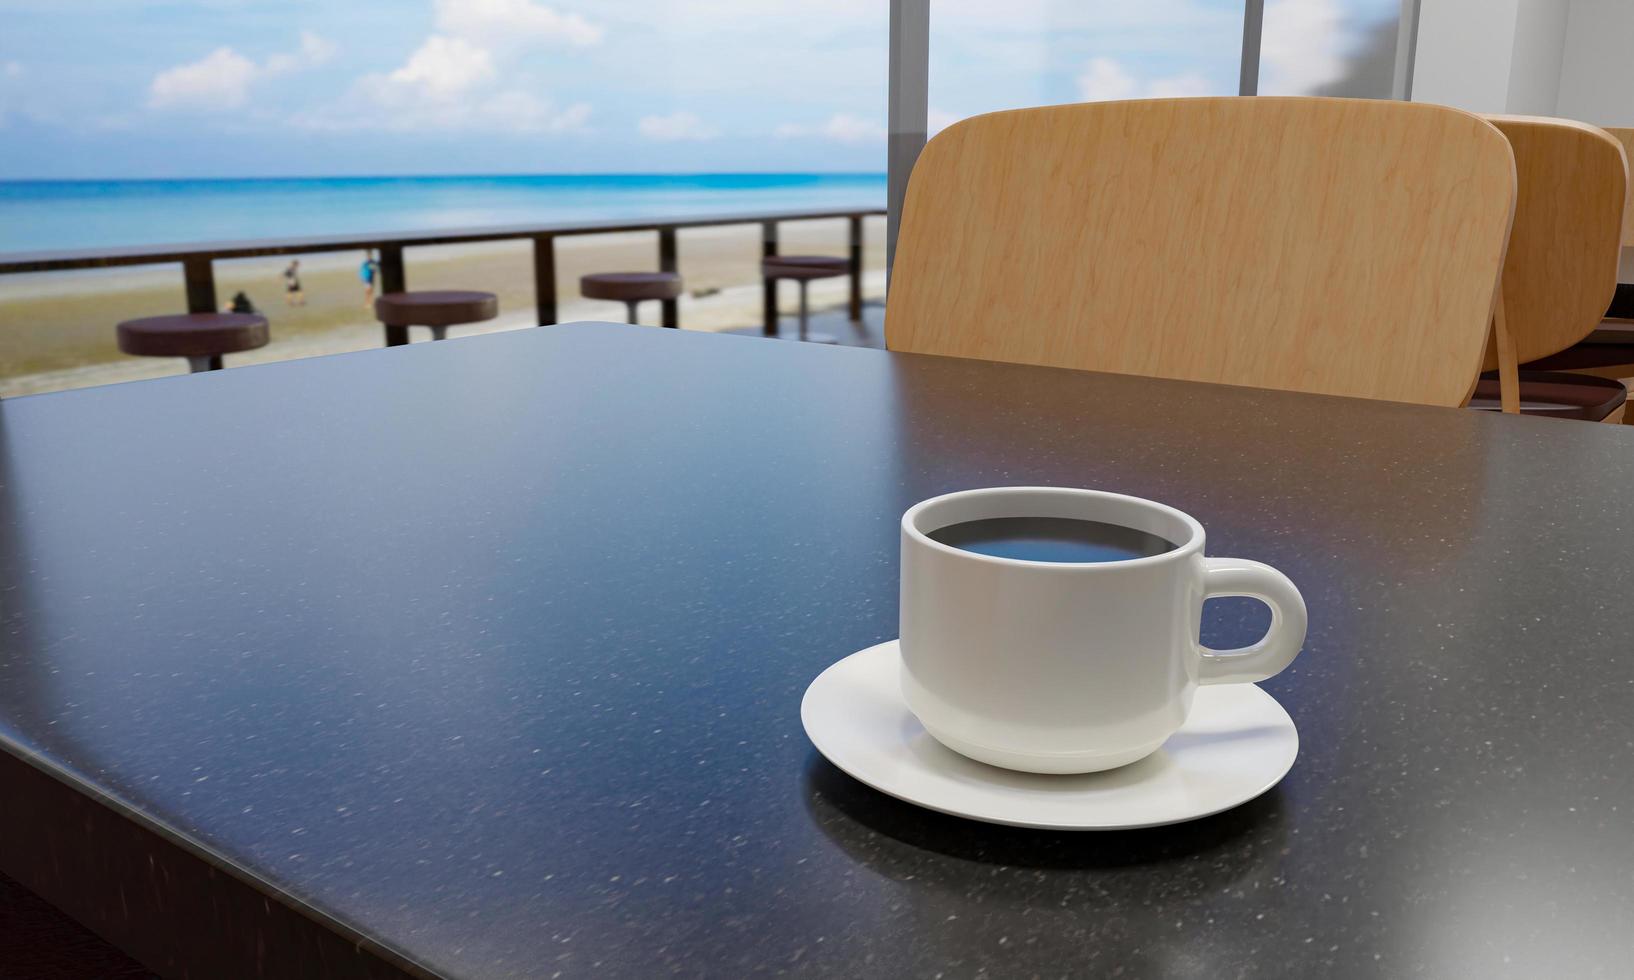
(1625, 136)
(1561, 269)
(1342, 246)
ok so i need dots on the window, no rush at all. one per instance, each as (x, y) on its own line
(986, 56)
(1329, 47)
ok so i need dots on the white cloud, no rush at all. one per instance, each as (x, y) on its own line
(841, 127)
(448, 84)
(677, 126)
(441, 69)
(513, 21)
(1107, 80)
(222, 78)
(460, 77)
(314, 51)
(219, 80)
(1302, 47)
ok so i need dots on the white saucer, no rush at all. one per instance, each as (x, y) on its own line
(1237, 744)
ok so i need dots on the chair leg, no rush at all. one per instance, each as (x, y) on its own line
(439, 333)
(396, 334)
(1509, 385)
(630, 307)
(204, 362)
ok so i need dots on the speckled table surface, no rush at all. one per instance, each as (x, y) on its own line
(491, 651)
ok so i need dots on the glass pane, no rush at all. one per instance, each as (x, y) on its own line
(986, 56)
(1329, 47)
(258, 120)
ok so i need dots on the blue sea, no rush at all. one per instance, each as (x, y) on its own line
(53, 214)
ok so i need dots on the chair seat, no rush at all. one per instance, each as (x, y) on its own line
(1612, 345)
(193, 334)
(1551, 394)
(631, 287)
(435, 308)
(804, 267)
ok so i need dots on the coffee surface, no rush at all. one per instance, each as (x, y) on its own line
(1055, 539)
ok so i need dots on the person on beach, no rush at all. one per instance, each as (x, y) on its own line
(240, 304)
(369, 272)
(292, 284)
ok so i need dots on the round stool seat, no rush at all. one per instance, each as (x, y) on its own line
(435, 308)
(1551, 394)
(193, 334)
(630, 287)
(804, 267)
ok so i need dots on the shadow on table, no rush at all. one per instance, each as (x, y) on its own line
(853, 816)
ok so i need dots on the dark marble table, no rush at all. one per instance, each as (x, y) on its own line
(484, 659)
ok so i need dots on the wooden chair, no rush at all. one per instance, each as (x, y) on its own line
(1340, 246)
(1625, 136)
(1608, 352)
(1561, 268)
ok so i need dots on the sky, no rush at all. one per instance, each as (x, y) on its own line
(216, 88)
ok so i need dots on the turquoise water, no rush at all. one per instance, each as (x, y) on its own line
(53, 214)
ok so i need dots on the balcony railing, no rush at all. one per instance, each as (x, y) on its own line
(197, 259)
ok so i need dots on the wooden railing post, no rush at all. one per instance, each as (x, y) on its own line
(768, 248)
(199, 275)
(856, 268)
(393, 279)
(668, 262)
(544, 278)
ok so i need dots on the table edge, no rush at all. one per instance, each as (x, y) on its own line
(168, 841)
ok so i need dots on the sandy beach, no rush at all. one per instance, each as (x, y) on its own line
(57, 329)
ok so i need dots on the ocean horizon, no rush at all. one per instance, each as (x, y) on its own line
(50, 214)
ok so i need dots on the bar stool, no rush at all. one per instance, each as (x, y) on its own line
(805, 269)
(200, 337)
(438, 309)
(631, 288)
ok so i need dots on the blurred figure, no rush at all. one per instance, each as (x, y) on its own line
(240, 304)
(292, 284)
(369, 272)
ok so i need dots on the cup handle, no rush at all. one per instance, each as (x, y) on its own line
(1277, 649)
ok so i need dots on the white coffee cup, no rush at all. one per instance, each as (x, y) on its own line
(1059, 667)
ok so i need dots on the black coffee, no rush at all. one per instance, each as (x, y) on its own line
(1063, 539)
